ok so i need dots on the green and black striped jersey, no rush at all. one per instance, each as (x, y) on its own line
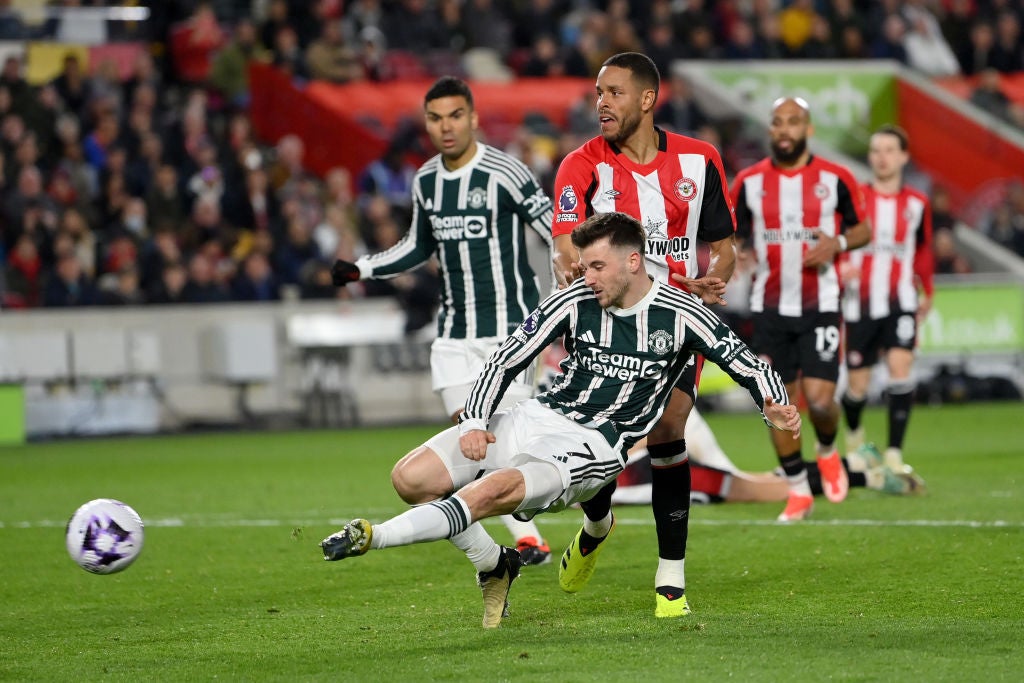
(622, 363)
(475, 220)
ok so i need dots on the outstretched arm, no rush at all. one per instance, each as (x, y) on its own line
(711, 287)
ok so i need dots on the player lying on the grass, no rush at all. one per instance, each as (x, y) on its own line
(629, 339)
(716, 479)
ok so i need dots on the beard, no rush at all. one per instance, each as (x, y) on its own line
(781, 155)
(627, 126)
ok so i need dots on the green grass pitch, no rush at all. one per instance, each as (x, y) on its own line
(231, 584)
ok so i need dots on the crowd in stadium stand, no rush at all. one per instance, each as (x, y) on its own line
(154, 189)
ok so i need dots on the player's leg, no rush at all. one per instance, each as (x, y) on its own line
(532, 547)
(455, 365)
(670, 498)
(702, 446)
(901, 336)
(819, 365)
(862, 346)
(776, 339)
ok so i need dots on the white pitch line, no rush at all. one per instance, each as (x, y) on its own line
(572, 520)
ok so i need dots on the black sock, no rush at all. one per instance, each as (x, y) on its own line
(853, 409)
(857, 479)
(670, 499)
(598, 507)
(792, 464)
(899, 414)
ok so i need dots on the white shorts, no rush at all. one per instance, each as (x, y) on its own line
(561, 461)
(456, 363)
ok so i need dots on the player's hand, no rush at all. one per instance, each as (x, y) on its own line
(784, 417)
(567, 277)
(824, 251)
(343, 272)
(924, 307)
(474, 444)
(711, 290)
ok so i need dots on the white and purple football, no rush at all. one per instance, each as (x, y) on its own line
(104, 536)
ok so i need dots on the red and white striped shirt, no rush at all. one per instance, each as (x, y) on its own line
(679, 197)
(900, 249)
(779, 210)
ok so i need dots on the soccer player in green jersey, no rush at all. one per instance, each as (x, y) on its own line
(472, 206)
(629, 338)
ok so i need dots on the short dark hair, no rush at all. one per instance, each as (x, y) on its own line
(897, 132)
(449, 86)
(641, 66)
(622, 230)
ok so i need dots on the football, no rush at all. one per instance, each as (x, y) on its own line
(104, 536)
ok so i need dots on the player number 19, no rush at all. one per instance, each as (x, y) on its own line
(826, 339)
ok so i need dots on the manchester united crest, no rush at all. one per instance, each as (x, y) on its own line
(660, 341)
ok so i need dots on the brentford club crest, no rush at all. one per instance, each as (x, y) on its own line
(821, 191)
(686, 189)
(660, 341)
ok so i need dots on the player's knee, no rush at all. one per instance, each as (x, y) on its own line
(416, 481)
(821, 408)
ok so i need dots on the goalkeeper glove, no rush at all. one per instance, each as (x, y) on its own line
(343, 272)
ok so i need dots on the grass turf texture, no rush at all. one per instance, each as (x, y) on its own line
(231, 584)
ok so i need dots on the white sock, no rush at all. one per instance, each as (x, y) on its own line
(670, 573)
(480, 548)
(521, 530)
(822, 450)
(798, 484)
(430, 522)
(600, 528)
(702, 446)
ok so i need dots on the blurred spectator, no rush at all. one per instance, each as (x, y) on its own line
(948, 259)
(316, 282)
(412, 26)
(202, 286)
(11, 25)
(230, 71)
(100, 139)
(680, 113)
(852, 44)
(889, 43)
(1008, 51)
(68, 285)
(170, 288)
(942, 215)
(1006, 224)
(276, 19)
(28, 208)
(256, 281)
(978, 54)
(143, 73)
(926, 48)
(296, 249)
(486, 25)
(661, 46)
(329, 58)
(956, 28)
(820, 44)
(795, 23)
(121, 288)
(988, 95)
(287, 168)
(17, 87)
(288, 55)
(81, 240)
(206, 224)
(72, 86)
(158, 253)
(164, 198)
(24, 274)
(253, 206)
(390, 177)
